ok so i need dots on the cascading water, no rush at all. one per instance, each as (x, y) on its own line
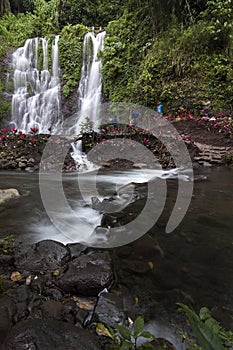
(89, 92)
(90, 85)
(35, 102)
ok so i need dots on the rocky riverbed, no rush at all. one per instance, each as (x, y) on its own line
(56, 296)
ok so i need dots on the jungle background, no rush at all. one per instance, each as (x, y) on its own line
(175, 51)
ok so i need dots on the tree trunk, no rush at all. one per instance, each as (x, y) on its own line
(4, 7)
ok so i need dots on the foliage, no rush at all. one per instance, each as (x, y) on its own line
(182, 65)
(210, 334)
(220, 22)
(7, 244)
(45, 17)
(176, 51)
(129, 335)
(70, 55)
(89, 12)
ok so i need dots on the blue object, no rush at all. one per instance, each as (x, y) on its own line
(160, 108)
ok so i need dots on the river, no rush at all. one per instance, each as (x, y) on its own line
(194, 261)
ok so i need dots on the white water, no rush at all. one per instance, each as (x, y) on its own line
(90, 85)
(35, 102)
(89, 94)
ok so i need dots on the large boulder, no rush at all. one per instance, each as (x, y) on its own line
(44, 256)
(49, 335)
(88, 274)
(7, 194)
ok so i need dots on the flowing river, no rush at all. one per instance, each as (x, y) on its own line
(196, 259)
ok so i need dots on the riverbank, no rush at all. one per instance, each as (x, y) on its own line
(48, 287)
(207, 141)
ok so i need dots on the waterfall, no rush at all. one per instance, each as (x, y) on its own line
(90, 85)
(35, 102)
(89, 93)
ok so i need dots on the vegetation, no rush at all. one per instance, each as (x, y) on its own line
(210, 334)
(176, 51)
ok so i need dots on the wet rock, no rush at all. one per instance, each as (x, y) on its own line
(7, 312)
(110, 309)
(6, 263)
(200, 178)
(19, 294)
(88, 274)
(39, 334)
(54, 293)
(42, 257)
(76, 249)
(7, 194)
(52, 309)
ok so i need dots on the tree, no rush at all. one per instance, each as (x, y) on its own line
(4, 7)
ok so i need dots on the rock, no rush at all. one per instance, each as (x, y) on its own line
(37, 334)
(19, 294)
(200, 178)
(22, 165)
(7, 312)
(76, 249)
(88, 274)
(6, 195)
(52, 309)
(6, 263)
(44, 256)
(110, 309)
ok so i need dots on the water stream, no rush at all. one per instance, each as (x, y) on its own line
(36, 102)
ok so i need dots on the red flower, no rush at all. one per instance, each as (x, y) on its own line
(34, 130)
(14, 130)
(2, 137)
(4, 130)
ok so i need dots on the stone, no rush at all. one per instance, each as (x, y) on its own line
(7, 194)
(7, 312)
(88, 274)
(41, 334)
(43, 256)
(110, 309)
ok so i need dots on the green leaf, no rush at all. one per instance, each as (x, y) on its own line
(138, 325)
(147, 335)
(124, 332)
(205, 335)
(147, 346)
(126, 345)
(102, 330)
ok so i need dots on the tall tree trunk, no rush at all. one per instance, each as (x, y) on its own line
(4, 7)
